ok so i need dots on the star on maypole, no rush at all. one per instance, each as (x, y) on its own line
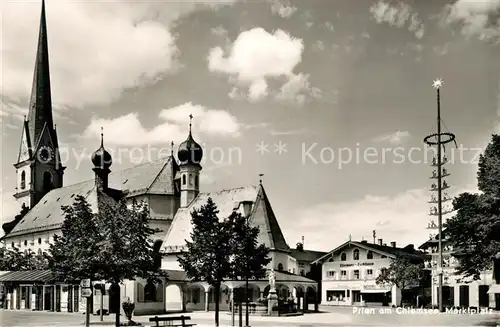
(437, 83)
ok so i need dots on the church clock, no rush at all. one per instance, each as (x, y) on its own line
(46, 154)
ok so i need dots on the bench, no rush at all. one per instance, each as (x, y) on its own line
(171, 321)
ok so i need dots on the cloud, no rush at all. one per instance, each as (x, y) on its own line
(173, 127)
(402, 218)
(288, 132)
(97, 49)
(393, 138)
(399, 16)
(282, 8)
(476, 18)
(256, 57)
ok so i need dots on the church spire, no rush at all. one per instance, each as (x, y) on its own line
(40, 106)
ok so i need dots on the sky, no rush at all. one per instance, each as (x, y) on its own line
(330, 100)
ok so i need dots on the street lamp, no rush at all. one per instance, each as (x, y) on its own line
(246, 207)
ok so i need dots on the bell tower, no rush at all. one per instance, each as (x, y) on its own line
(190, 154)
(38, 167)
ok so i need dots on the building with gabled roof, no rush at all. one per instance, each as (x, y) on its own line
(349, 273)
(170, 189)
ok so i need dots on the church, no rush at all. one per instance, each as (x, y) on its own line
(169, 186)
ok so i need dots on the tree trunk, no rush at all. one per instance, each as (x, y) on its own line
(216, 297)
(117, 317)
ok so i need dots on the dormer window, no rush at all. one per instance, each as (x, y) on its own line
(343, 257)
(355, 254)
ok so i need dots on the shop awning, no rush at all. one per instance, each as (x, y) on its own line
(495, 288)
(376, 290)
(33, 276)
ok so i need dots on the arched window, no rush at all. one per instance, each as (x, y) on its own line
(23, 180)
(47, 181)
(196, 181)
(343, 257)
(150, 292)
(39, 251)
(355, 254)
(331, 260)
(369, 255)
(183, 179)
(39, 240)
(25, 243)
(12, 244)
(280, 267)
(190, 179)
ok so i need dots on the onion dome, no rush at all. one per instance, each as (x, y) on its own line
(189, 151)
(101, 158)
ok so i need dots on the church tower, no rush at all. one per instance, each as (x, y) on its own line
(39, 168)
(190, 154)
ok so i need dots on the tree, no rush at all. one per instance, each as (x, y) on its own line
(73, 254)
(222, 249)
(12, 259)
(401, 273)
(248, 258)
(207, 255)
(475, 229)
(111, 245)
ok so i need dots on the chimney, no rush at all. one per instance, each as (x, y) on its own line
(364, 241)
(393, 244)
(380, 241)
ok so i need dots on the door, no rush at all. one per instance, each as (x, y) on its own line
(448, 296)
(464, 296)
(484, 299)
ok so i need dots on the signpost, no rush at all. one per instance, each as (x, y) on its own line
(86, 292)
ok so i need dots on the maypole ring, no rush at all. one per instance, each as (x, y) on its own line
(445, 138)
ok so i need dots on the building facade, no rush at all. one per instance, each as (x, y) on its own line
(349, 273)
(169, 186)
(458, 291)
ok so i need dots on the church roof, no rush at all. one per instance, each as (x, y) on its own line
(228, 201)
(306, 255)
(138, 180)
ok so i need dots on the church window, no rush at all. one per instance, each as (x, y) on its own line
(343, 257)
(47, 181)
(369, 255)
(23, 180)
(196, 181)
(183, 179)
(280, 267)
(355, 254)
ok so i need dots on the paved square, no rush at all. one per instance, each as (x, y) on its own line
(336, 317)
